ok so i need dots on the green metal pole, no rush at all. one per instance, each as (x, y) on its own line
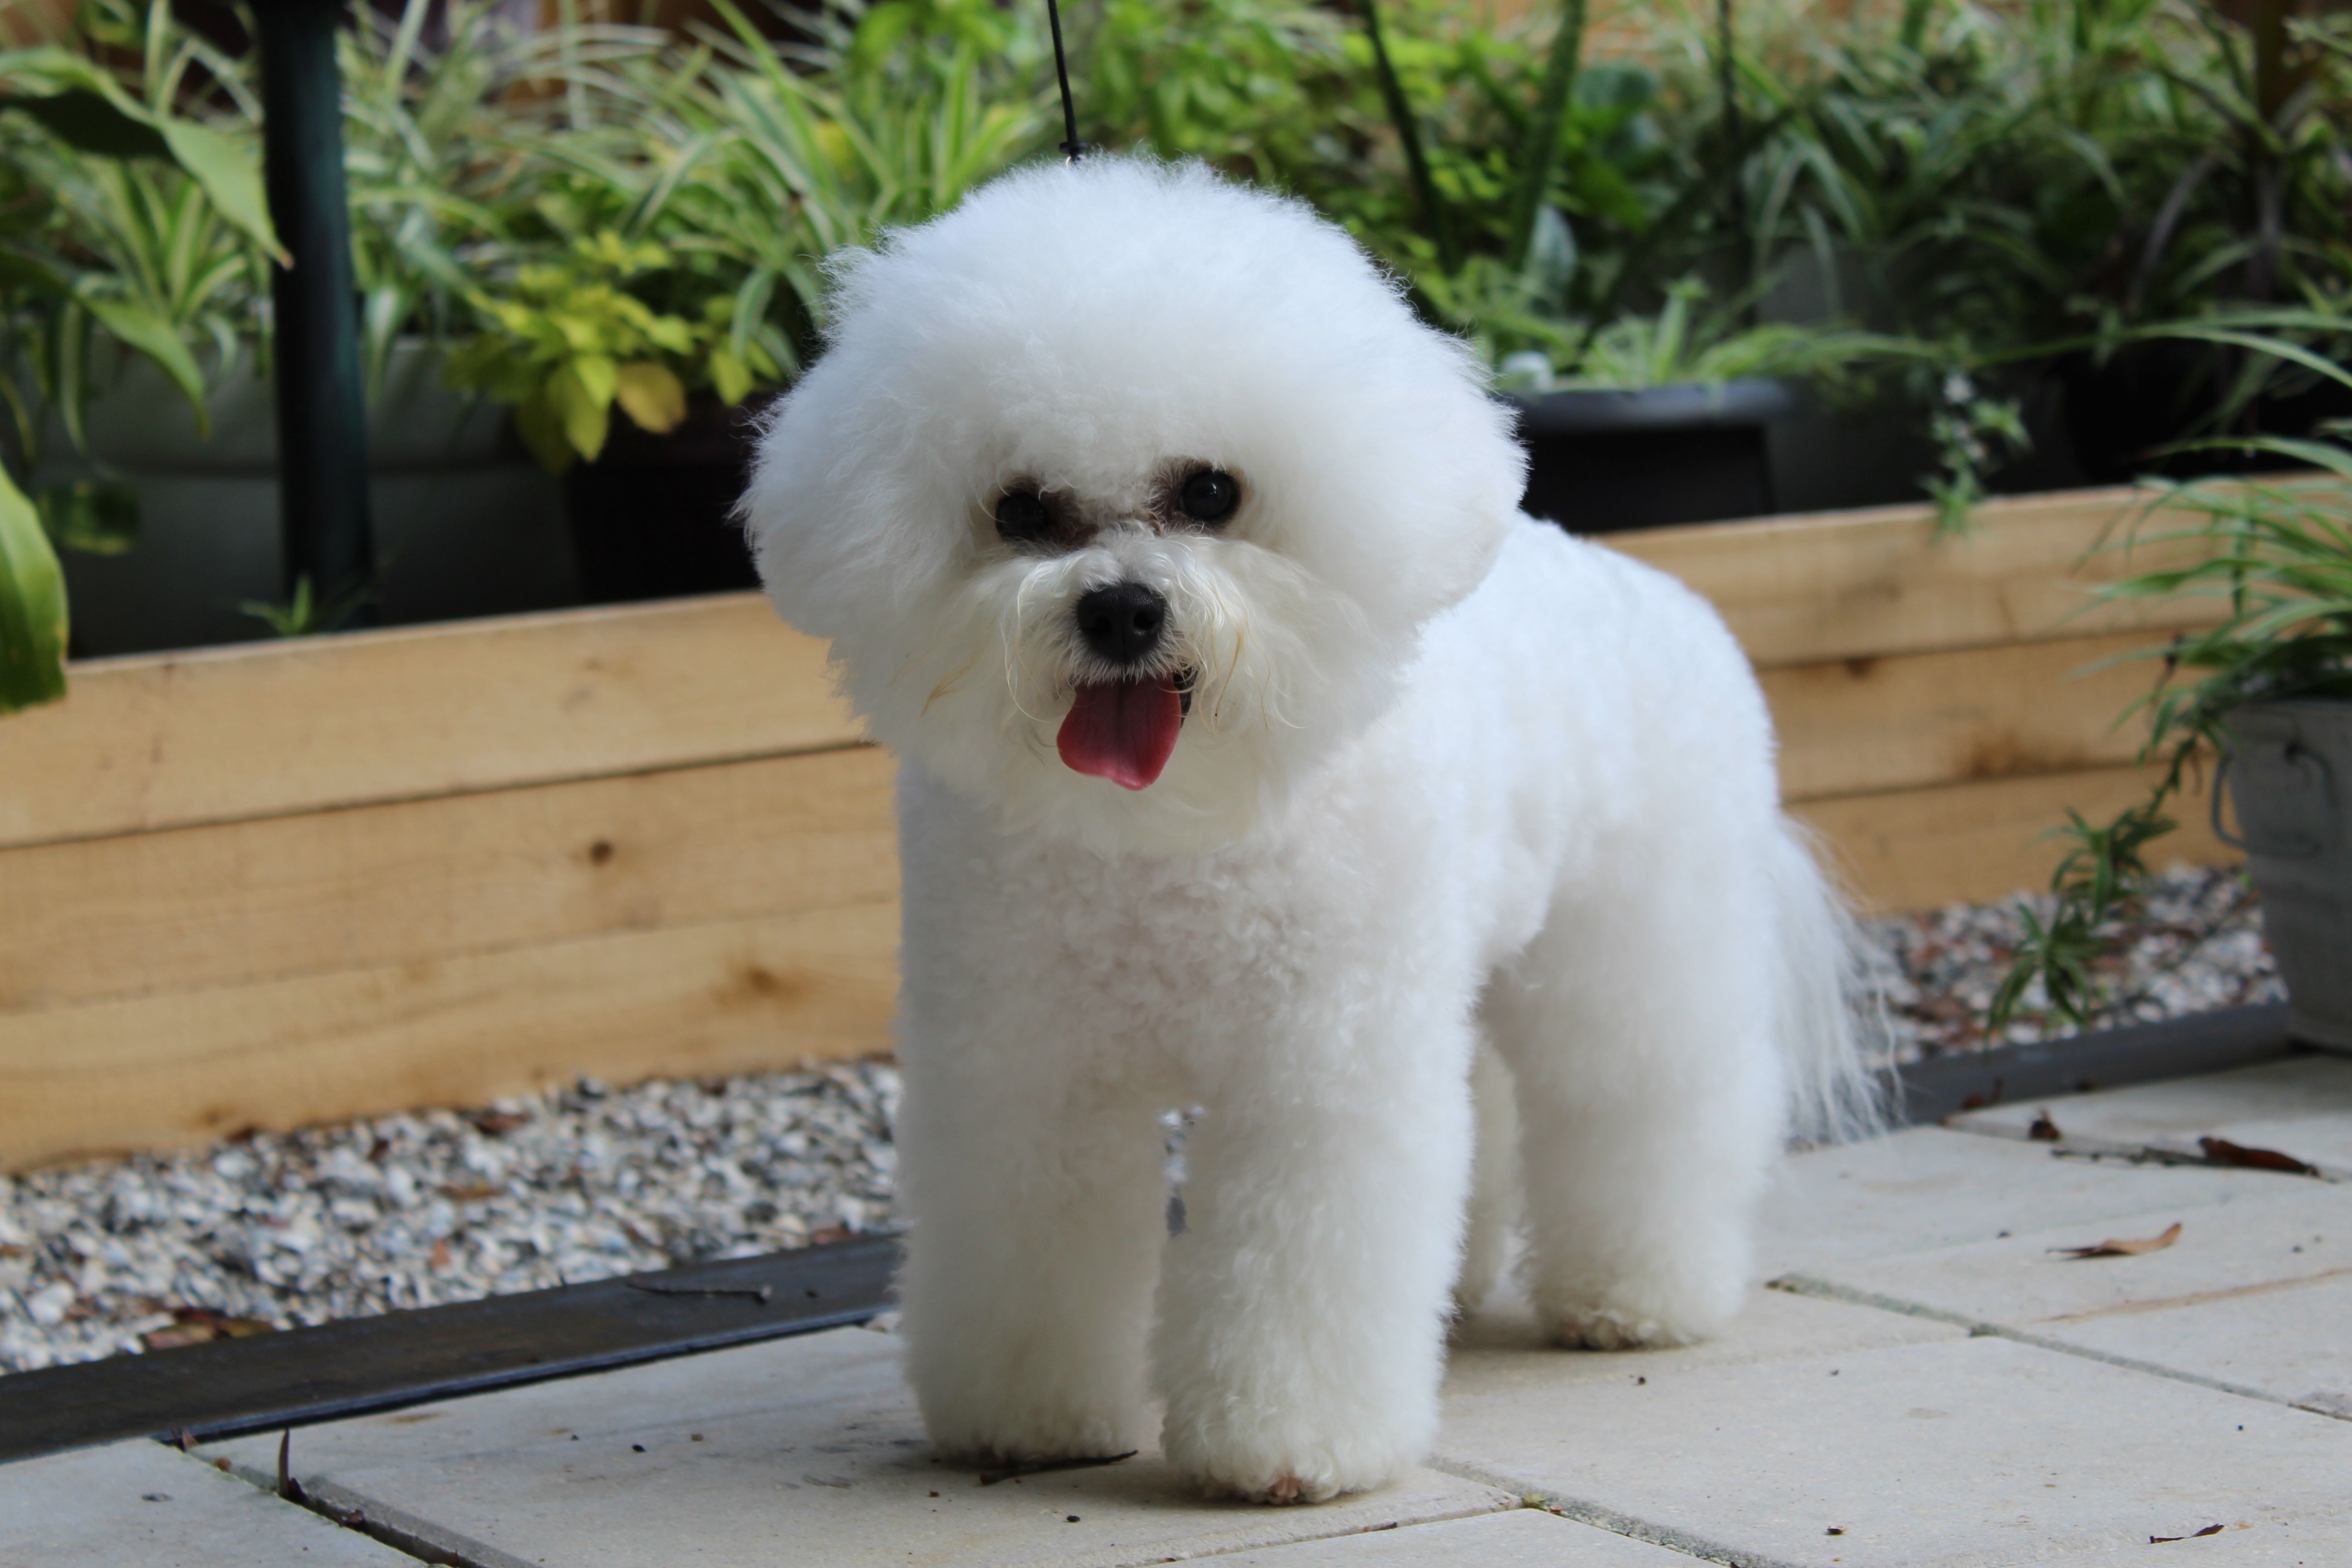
(321, 409)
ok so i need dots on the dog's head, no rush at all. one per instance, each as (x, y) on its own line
(1123, 494)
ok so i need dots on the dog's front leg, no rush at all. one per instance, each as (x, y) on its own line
(1302, 1317)
(1038, 1213)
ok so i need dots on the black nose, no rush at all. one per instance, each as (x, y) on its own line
(1124, 622)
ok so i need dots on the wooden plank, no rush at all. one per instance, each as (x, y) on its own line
(1798, 590)
(186, 1069)
(1852, 726)
(227, 734)
(222, 734)
(232, 903)
(1913, 850)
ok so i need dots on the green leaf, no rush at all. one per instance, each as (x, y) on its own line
(651, 394)
(141, 328)
(230, 171)
(583, 417)
(32, 607)
(90, 516)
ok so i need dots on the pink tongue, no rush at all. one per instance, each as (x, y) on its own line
(1123, 730)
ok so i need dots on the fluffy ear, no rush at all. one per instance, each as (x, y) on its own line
(842, 507)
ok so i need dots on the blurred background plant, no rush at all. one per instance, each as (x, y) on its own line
(2140, 207)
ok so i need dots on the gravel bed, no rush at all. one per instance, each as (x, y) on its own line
(581, 1184)
(2195, 945)
(418, 1209)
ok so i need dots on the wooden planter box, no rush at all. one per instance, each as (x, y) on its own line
(289, 883)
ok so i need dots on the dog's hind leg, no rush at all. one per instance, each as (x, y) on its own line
(1037, 1214)
(1638, 1029)
(1495, 1187)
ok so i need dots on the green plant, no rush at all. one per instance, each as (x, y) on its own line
(127, 215)
(2275, 560)
(675, 244)
(152, 229)
(566, 341)
(451, 128)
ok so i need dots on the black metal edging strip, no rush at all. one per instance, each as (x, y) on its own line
(363, 1364)
(2109, 1058)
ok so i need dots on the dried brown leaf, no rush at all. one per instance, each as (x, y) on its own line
(2043, 1130)
(2221, 1152)
(2115, 1249)
(496, 1123)
(2192, 1535)
(201, 1326)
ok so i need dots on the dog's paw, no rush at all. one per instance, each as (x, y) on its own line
(1033, 1440)
(1283, 1489)
(1615, 1329)
(1270, 1466)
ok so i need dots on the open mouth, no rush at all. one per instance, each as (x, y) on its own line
(1124, 730)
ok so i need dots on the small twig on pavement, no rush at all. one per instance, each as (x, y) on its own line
(287, 1487)
(1046, 1466)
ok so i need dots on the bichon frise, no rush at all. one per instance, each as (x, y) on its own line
(1258, 755)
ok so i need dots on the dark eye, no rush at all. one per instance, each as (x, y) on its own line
(1209, 495)
(1021, 514)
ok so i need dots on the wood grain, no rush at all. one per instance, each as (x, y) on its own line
(187, 1068)
(422, 880)
(225, 734)
(1863, 724)
(1799, 590)
(1912, 850)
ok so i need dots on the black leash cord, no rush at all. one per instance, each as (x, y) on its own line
(1072, 148)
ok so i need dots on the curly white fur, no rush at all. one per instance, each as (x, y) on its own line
(1451, 784)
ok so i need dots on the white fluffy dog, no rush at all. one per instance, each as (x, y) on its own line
(1258, 755)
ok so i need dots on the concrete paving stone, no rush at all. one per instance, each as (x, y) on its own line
(141, 1505)
(1979, 1452)
(2298, 1105)
(804, 1450)
(2242, 1544)
(1522, 1538)
(1499, 1356)
(2248, 1240)
(2293, 1341)
(1930, 1187)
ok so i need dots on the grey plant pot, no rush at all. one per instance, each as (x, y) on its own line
(2289, 773)
(465, 523)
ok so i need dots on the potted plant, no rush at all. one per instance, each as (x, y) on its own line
(76, 124)
(668, 279)
(2092, 207)
(152, 369)
(2267, 691)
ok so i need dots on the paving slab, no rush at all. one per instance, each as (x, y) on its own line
(1932, 1188)
(2300, 1106)
(1499, 1356)
(1522, 1538)
(2242, 1544)
(798, 1451)
(141, 1505)
(1979, 1451)
(2232, 1264)
(2292, 1342)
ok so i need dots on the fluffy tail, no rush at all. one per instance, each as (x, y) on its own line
(1828, 1021)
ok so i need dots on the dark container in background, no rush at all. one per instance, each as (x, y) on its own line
(1601, 461)
(653, 517)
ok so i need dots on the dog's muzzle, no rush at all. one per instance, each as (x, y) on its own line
(1124, 729)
